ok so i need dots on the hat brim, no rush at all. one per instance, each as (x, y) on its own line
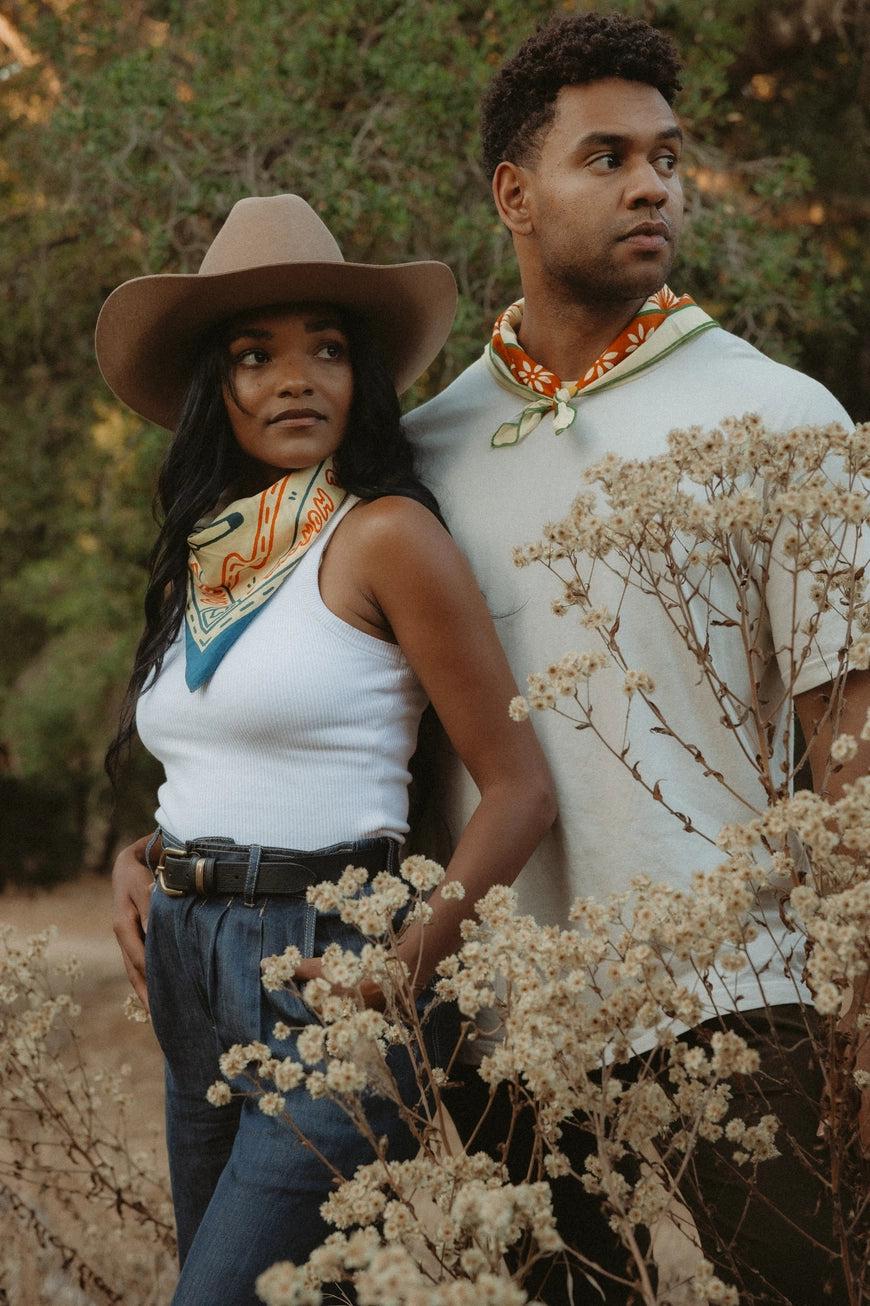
(149, 329)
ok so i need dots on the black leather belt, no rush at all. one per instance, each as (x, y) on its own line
(284, 871)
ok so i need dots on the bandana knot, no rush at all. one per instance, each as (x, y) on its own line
(636, 347)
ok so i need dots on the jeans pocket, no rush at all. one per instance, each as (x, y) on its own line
(299, 925)
(330, 929)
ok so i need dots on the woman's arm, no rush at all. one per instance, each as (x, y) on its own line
(397, 572)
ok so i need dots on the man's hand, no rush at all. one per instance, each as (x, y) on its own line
(132, 886)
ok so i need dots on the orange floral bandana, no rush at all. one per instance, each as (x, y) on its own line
(238, 560)
(665, 322)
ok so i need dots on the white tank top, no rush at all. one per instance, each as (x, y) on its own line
(302, 736)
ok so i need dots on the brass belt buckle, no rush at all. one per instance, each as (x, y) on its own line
(161, 872)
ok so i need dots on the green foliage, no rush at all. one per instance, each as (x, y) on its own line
(129, 130)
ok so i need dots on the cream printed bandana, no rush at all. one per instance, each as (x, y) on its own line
(663, 324)
(237, 561)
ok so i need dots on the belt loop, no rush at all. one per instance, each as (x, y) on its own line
(253, 874)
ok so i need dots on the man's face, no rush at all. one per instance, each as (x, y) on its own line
(603, 195)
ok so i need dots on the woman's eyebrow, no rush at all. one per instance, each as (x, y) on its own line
(324, 324)
(250, 332)
(242, 331)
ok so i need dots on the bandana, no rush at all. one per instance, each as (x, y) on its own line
(237, 561)
(663, 324)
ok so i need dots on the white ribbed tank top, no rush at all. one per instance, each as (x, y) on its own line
(302, 736)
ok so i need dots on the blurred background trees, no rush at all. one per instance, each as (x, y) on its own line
(130, 127)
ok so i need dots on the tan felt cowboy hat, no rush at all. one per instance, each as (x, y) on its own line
(272, 250)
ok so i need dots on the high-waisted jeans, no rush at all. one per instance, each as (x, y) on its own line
(246, 1192)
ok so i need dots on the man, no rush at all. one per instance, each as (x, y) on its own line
(583, 149)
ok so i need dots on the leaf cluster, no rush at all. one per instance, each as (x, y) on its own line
(130, 127)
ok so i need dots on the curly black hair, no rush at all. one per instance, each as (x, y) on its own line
(520, 103)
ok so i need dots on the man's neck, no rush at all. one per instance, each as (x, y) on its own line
(568, 338)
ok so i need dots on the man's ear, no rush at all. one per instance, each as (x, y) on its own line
(510, 192)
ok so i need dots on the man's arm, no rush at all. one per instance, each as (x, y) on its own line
(812, 709)
(132, 886)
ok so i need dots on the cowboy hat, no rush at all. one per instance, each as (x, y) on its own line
(272, 250)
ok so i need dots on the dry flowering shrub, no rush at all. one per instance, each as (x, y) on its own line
(711, 533)
(572, 1003)
(85, 1218)
(723, 528)
(707, 533)
(433, 1231)
(448, 1227)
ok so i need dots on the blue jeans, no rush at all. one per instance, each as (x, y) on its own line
(246, 1191)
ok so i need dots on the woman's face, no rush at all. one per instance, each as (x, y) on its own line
(290, 391)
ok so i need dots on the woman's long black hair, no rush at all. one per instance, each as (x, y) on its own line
(203, 461)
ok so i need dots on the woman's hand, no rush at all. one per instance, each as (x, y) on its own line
(312, 968)
(132, 886)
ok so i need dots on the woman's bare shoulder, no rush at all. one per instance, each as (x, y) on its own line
(392, 521)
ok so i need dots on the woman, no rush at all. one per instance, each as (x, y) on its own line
(304, 603)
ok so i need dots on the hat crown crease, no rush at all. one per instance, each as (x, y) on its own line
(269, 233)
